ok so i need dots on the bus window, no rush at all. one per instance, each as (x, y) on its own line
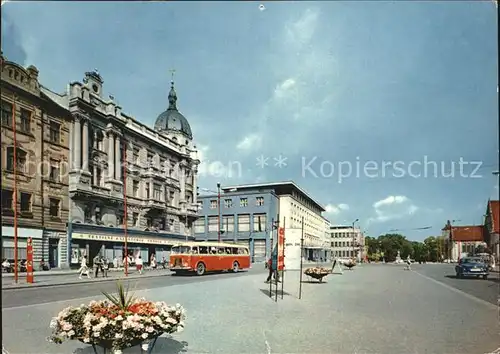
(242, 250)
(234, 250)
(181, 250)
(203, 249)
(213, 250)
(220, 250)
(194, 250)
(228, 250)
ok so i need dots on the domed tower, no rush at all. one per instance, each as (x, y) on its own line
(172, 123)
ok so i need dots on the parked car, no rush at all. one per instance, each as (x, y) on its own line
(470, 267)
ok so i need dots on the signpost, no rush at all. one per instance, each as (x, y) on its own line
(281, 256)
(29, 261)
(301, 258)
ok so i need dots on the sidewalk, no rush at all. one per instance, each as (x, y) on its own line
(71, 277)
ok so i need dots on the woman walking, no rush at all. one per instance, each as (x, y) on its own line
(138, 264)
(83, 268)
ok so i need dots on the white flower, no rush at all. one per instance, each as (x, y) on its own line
(86, 339)
(117, 351)
(118, 335)
(54, 323)
(150, 329)
(144, 335)
(71, 333)
(97, 334)
(119, 318)
(145, 346)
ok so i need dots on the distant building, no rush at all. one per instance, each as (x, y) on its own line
(42, 153)
(243, 206)
(463, 240)
(245, 217)
(347, 242)
(492, 227)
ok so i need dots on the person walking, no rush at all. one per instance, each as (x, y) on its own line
(138, 264)
(97, 265)
(153, 261)
(408, 263)
(84, 269)
(273, 271)
(104, 266)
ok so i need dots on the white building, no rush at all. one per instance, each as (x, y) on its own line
(301, 216)
(346, 242)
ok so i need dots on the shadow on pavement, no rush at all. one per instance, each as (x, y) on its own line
(496, 280)
(314, 282)
(193, 274)
(272, 294)
(163, 345)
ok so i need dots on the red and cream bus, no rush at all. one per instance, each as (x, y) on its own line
(203, 257)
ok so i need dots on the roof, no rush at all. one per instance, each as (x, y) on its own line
(467, 233)
(280, 188)
(494, 209)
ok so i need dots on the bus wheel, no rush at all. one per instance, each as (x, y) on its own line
(236, 267)
(200, 269)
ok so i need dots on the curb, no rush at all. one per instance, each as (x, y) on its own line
(83, 281)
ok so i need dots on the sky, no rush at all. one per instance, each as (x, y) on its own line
(386, 112)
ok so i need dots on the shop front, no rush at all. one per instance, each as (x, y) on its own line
(110, 242)
(22, 240)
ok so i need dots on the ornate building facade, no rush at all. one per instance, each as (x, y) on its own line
(113, 154)
(42, 154)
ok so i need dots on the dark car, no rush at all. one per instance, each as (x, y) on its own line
(472, 267)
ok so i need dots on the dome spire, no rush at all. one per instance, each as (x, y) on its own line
(172, 95)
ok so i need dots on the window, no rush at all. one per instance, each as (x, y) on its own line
(54, 171)
(98, 176)
(54, 207)
(25, 202)
(213, 224)
(243, 223)
(136, 155)
(150, 159)
(243, 202)
(199, 226)
(147, 190)
(55, 132)
(260, 201)
(228, 223)
(135, 218)
(228, 203)
(21, 160)
(259, 222)
(7, 109)
(7, 199)
(25, 120)
(157, 192)
(135, 188)
(213, 204)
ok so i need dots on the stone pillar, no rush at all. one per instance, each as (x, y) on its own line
(94, 176)
(118, 163)
(151, 190)
(71, 147)
(85, 145)
(111, 156)
(195, 184)
(77, 144)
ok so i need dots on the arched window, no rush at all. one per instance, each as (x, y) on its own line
(21, 160)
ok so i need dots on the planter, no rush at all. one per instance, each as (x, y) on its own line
(317, 273)
(118, 323)
(107, 346)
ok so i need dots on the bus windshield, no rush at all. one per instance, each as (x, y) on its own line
(181, 250)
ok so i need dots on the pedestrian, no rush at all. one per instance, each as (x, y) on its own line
(273, 272)
(138, 264)
(115, 262)
(84, 269)
(104, 266)
(408, 263)
(97, 265)
(153, 261)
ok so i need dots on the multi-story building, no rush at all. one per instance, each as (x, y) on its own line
(296, 210)
(245, 217)
(347, 242)
(113, 154)
(42, 154)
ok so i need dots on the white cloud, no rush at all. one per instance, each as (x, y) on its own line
(250, 142)
(393, 207)
(284, 89)
(336, 209)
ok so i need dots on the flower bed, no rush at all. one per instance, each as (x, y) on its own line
(317, 272)
(118, 322)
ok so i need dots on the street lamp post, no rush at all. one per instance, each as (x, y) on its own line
(218, 212)
(353, 236)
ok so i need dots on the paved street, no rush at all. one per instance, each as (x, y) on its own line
(373, 309)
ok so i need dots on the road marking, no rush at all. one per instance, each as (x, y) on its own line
(458, 291)
(268, 346)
